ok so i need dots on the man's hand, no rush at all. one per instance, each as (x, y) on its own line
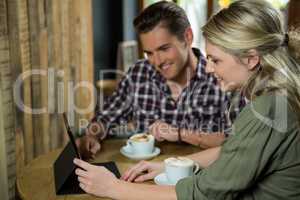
(95, 180)
(88, 146)
(143, 171)
(163, 131)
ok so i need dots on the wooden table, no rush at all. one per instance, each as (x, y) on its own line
(36, 181)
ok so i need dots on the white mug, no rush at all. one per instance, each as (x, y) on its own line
(179, 168)
(140, 144)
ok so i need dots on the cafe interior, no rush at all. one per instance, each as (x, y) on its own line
(68, 56)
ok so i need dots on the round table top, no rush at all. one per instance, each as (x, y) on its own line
(36, 181)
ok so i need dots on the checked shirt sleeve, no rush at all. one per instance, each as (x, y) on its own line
(117, 109)
(210, 105)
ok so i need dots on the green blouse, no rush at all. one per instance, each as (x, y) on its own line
(260, 161)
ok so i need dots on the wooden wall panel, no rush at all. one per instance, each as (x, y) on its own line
(55, 37)
(65, 34)
(3, 165)
(294, 14)
(81, 52)
(34, 27)
(45, 117)
(86, 72)
(7, 125)
(7, 122)
(210, 8)
(24, 45)
(55, 57)
(15, 68)
(20, 63)
(75, 54)
(3, 18)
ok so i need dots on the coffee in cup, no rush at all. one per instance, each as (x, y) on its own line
(140, 144)
(178, 168)
(140, 138)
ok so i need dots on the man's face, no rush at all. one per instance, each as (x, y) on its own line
(165, 52)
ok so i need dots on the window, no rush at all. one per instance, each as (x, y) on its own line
(146, 3)
(279, 4)
(197, 13)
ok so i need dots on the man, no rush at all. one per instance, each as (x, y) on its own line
(168, 94)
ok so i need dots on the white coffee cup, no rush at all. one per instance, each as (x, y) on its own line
(178, 168)
(140, 144)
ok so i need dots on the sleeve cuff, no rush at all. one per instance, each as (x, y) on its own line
(184, 189)
(102, 125)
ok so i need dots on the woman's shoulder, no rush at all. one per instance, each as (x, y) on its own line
(273, 110)
(269, 105)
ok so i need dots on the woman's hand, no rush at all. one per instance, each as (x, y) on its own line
(95, 180)
(143, 171)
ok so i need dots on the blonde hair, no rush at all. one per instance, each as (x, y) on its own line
(255, 24)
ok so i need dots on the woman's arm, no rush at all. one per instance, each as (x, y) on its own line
(131, 191)
(145, 170)
(202, 139)
(100, 182)
(206, 157)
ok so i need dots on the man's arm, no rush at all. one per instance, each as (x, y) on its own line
(116, 109)
(163, 131)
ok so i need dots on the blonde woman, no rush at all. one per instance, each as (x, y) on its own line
(247, 50)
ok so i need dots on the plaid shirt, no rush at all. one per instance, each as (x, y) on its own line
(143, 97)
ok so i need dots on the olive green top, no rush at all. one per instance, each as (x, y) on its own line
(261, 160)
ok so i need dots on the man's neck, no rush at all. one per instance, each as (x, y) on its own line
(176, 86)
(188, 71)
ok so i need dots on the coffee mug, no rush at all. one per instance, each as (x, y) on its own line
(140, 144)
(180, 167)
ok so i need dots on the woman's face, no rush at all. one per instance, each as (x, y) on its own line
(230, 72)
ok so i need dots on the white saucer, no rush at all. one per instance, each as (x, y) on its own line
(128, 154)
(161, 179)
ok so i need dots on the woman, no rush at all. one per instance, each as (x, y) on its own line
(247, 50)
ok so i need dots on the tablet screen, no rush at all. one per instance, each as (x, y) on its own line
(71, 136)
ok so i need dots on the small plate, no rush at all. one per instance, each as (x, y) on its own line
(128, 154)
(161, 179)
